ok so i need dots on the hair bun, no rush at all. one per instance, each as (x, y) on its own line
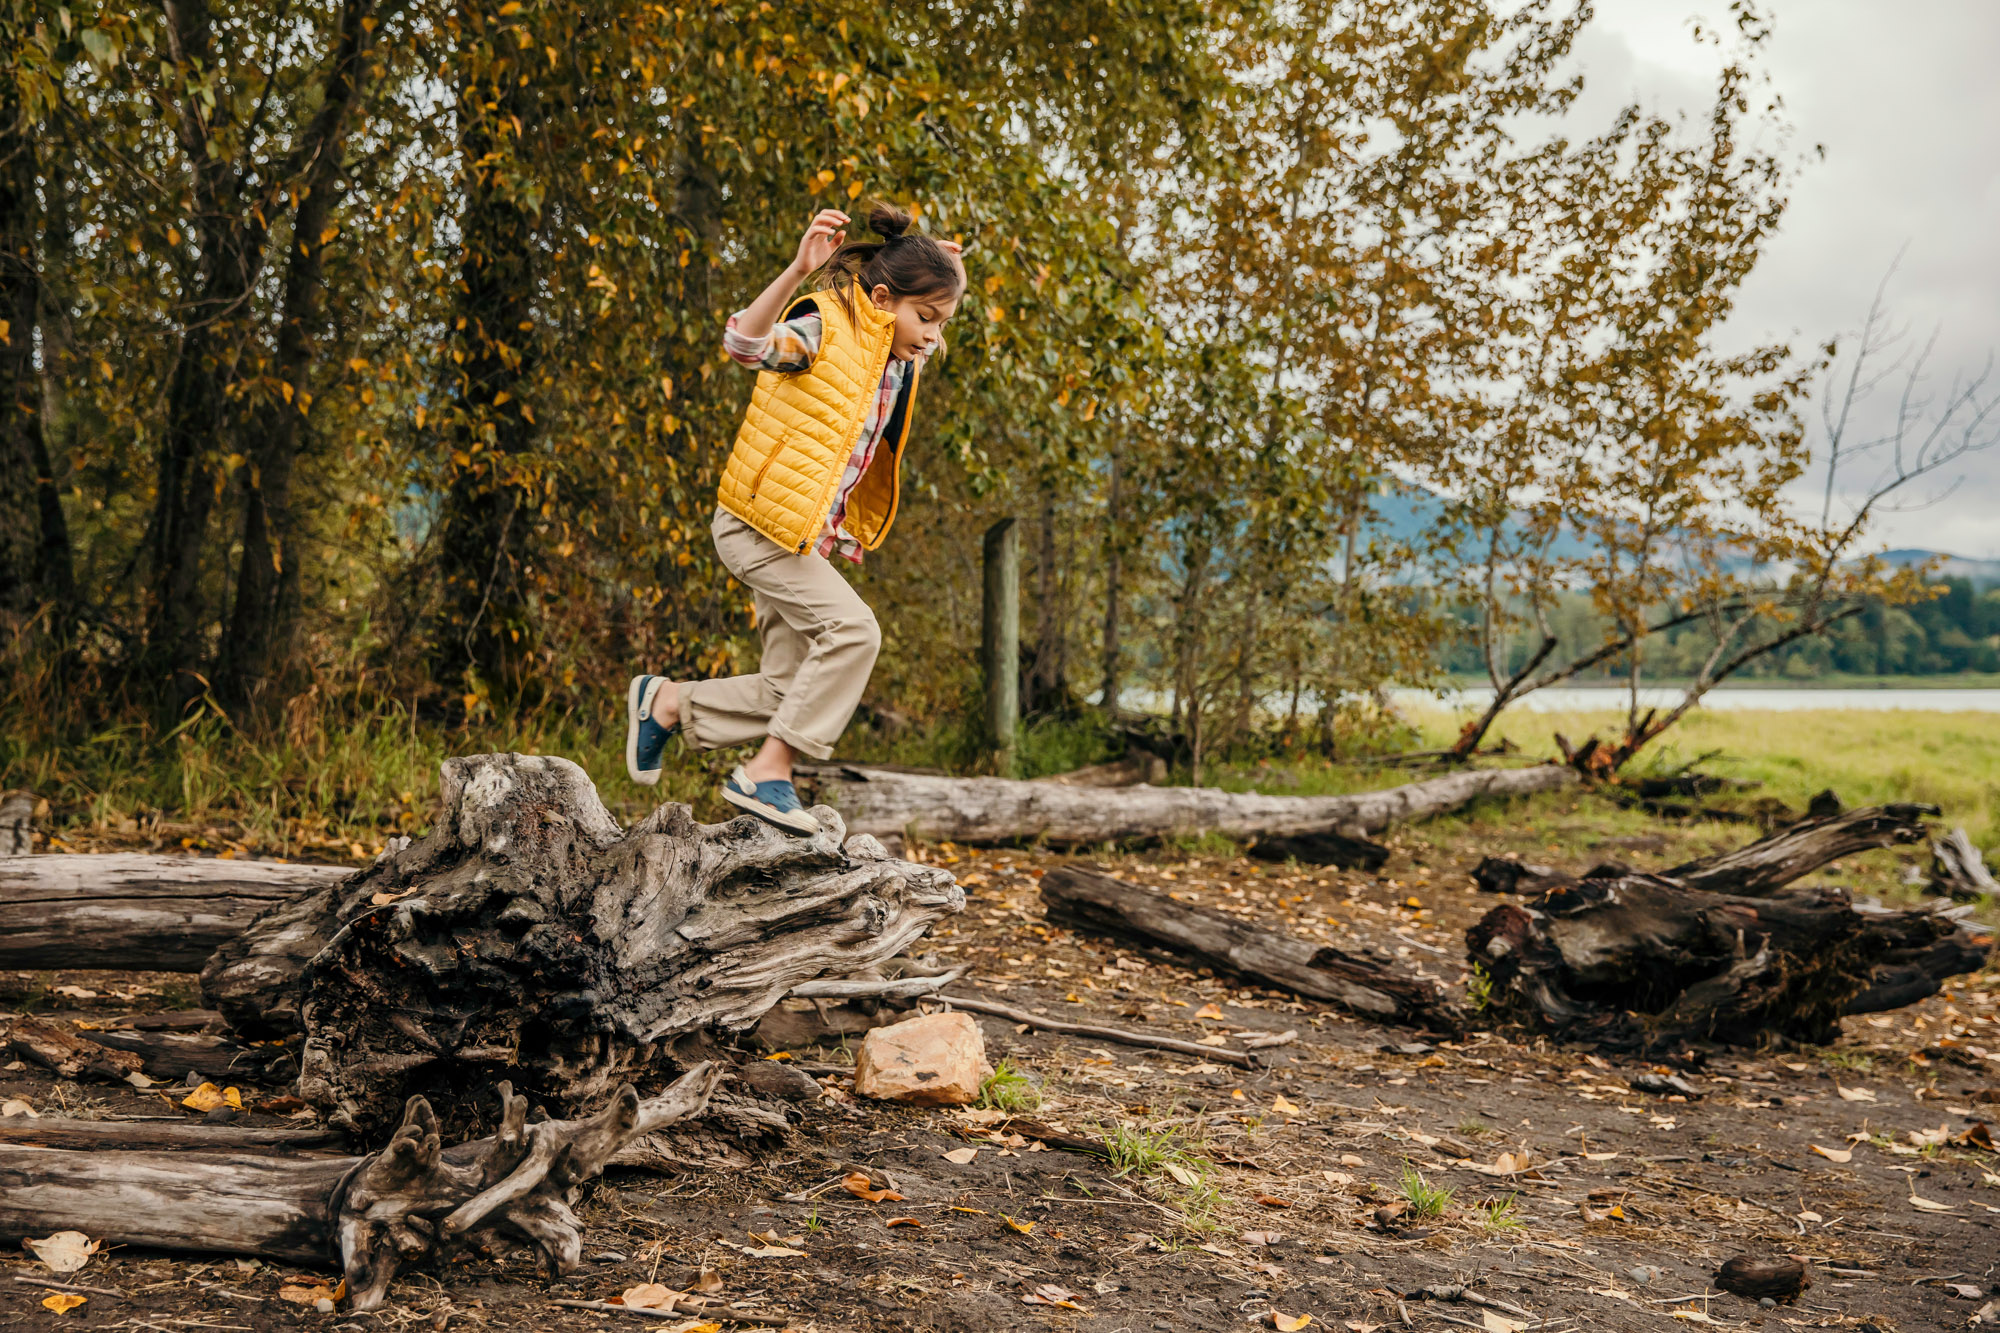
(888, 221)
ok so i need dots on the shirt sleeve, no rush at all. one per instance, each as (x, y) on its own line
(790, 346)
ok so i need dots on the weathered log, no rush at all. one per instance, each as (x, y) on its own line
(1504, 874)
(159, 1134)
(1003, 810)
(137, 912)
(1643, 962)
(1377, 989)
(527, 933)
(1322, 849)
(172, 1056)
(68, 1055)
(1770, 863)
(1958, 869)
(368, 1216)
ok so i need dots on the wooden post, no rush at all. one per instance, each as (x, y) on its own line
(1000, 639)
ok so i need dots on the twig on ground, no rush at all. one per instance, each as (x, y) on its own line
(729, 1312)
(71, 1286)
(1007, 1011)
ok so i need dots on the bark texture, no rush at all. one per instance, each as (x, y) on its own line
(529, 933)
(1767, 865)
(1644, 962)
(413, 1202)
(1002, 810)
(136, 911)
(1376, 989)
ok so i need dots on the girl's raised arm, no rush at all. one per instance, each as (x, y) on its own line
(822, 238)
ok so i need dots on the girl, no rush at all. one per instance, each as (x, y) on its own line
(809, 478)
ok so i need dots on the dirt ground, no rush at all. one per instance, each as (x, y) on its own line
(1556, 1194)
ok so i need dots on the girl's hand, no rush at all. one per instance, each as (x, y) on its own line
(822, 238)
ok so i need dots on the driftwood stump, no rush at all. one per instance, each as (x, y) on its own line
(1643, 962)
(370, 1216)
(527, 934)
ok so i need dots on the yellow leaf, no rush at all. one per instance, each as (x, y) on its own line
(1854, 1094)
(420, 418)
(854, 190)
(1280, 1106)
(310, 1291)
(1023, 1227)
(1290, 1323)
(994, 314)
(63, 1302)
(823, 179)
(1834, 1154)
(173, 236)
(1209, 1011)
(208, 1097)
(5, 327)
(858, 1184)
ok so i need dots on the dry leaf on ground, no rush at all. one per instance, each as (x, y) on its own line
(1854, 1094)
(1209, 1011)
(1273, 1201)
(1842, 1155)
(65, 1251)
(861, 1187)
(1262, 1237)
(1290, 1323)
(647, 1296)
(1050, 1294)
(310, 1291)
(772, 1237)
(1023, 1227)
(961, 1156)
(903, 1222)
(1932, 1205)
(1280, 1106)
(1506, 1164)
(1495, 1324)
(208, 1097)
(15, 1106)
(773, 1252)
(63, 1302)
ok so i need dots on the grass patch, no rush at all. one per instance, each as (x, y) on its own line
(1008, 1088)
(1496, 1217)
(1425, 1199)
(1474, 1128)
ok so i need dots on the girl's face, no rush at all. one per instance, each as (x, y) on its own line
(920, 320)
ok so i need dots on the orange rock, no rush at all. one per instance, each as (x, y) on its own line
(934, 1060)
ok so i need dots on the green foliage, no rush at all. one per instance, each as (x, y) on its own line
(1497, 1217)
(1478, 988)
(1425, 1199)
(1009, 1088)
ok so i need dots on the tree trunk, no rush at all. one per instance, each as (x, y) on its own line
(1642, 962)
(368, 1216)
(528, 933)
(483, 532)
(1768, 864)
(158, 1134)
(1108, 689)
(1958, 869)
(998, 810)
(137, 912)
(1099, 904)
(260, 620)
(34, 540)
(1322, 849)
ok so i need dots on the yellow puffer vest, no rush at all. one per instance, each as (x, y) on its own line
(800, 431)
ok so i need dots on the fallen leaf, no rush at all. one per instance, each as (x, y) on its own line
(1214, 1039)
(1599, 1156)
(1930, 1138)
(1023, 1227)
(384, 899)
(139, 1080)
(1273, 1201)
(73, 992)
(1337, 1178)
(1182, 1175)
(1854, 1094)
(63, 1302)
(15, 1106)
(1493, 1323)
(961, 1156)
(1290, 1323)
(772, 1237)
(773, 1252)
(1932, 1205)
(1262, 1237)
(1979, 1136)
(1359, 1326)
(1349, 1159)
(1507, 1164)
(647, 1296)
(310, 1291)
(1050, 1294)
(1209, 1011)
(903, 1222)
(709, 1283)
(858, 1184)
(1280, 1106)
(63, 1252)
(1842, 1155)
(1693, 1317)
(208, 1097)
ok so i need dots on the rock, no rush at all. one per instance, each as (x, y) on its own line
(1780, 1278)
(772, 1079)
(934, 1060)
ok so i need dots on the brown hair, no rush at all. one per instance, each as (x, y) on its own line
(907, 264)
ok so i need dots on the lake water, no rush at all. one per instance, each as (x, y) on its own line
(1585, 698)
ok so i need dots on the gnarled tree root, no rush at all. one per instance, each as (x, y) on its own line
(413, 1202)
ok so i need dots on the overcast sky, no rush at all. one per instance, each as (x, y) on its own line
(1902, 98)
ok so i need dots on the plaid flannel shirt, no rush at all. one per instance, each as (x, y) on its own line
(789, 348)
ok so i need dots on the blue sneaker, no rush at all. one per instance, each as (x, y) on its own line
(645, 739)
(773, 802)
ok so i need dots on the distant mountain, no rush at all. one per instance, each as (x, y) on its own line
(1981, 572)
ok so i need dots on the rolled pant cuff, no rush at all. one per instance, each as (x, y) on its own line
(792, 738)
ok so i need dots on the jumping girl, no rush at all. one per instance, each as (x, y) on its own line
(808, 478)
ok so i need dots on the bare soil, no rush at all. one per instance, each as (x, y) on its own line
(1244, 1194)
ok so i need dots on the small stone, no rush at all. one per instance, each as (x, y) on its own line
(932, 1060)
(607, 1257)
(1768, 1303)
(773, 1078)
(323, 1305)
(1642, 1274)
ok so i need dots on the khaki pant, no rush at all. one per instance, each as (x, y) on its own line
(820, 641)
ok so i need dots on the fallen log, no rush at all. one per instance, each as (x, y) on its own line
(1643, 962)
(1958, 869)
(68, 1055)
(137, 912)
(159, 1135)
(1770, 863)
(1099, 904)
(1004, 810)
(413, 1202)
(1322, 849)
(528, 933)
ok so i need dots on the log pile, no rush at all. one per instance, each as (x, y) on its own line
(1720, 948)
